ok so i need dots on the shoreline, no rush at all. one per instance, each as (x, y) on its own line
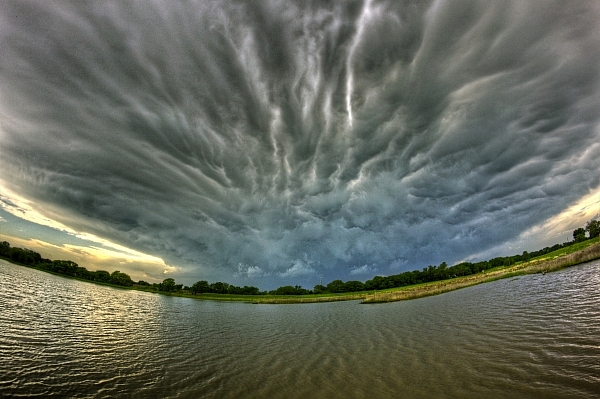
(544, 265)
(586, 254)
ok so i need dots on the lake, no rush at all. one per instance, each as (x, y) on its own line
(535, 336)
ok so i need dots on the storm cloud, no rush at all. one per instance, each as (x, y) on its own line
(276, 142)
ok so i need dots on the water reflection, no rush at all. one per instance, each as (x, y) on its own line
(533, 336)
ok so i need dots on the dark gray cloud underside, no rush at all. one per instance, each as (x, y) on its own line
(286, 140)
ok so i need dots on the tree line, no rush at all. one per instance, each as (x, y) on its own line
(428, 274)
(203, 287)
(65, 267)
(443, 272)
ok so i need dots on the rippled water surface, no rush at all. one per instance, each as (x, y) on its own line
(535, 336)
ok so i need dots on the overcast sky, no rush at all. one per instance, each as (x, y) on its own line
(278, 142)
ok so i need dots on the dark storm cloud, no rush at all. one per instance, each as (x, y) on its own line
(289, 140)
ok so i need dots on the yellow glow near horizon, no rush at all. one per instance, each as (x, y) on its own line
(23, 209)
(555, 230)
(104, 255)
(559, 228)
(575, 216)
(142, 267)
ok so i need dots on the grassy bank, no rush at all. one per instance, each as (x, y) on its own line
(312, 298)
(564, 257)
(554, 261)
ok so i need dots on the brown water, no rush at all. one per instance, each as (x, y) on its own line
(529, 337)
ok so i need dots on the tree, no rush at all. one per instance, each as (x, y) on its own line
(508, 261)
(285, 290)
(5, 248)
(168, 285)
(442, 271)
(335, 286)
(593, 228)
(353, 286)
(378, 283)
(319, 289)
(119, 278)
(64, 267)
(250, 290)
(101, 275)
(219, 287)
(199, 287)
(579, 234)
(289, 290)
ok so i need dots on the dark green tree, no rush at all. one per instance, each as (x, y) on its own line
(335, 286)
(250, 290)
(593, 228)
(354, 286)
(101, 275)
(66, 267)
(219, 287)
(168, 285)
(119, 278)
(290, 290)
(5, 249)
(199, 287)
(442, 271)
(579, 234)
(319, 289)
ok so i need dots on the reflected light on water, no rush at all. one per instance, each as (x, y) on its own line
(532, 336)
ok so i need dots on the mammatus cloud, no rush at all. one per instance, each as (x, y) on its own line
(278, 141)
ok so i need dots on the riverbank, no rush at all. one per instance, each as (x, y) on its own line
(570, 256)
(544, 265)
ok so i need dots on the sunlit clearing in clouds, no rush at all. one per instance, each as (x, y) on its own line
(138, 266)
